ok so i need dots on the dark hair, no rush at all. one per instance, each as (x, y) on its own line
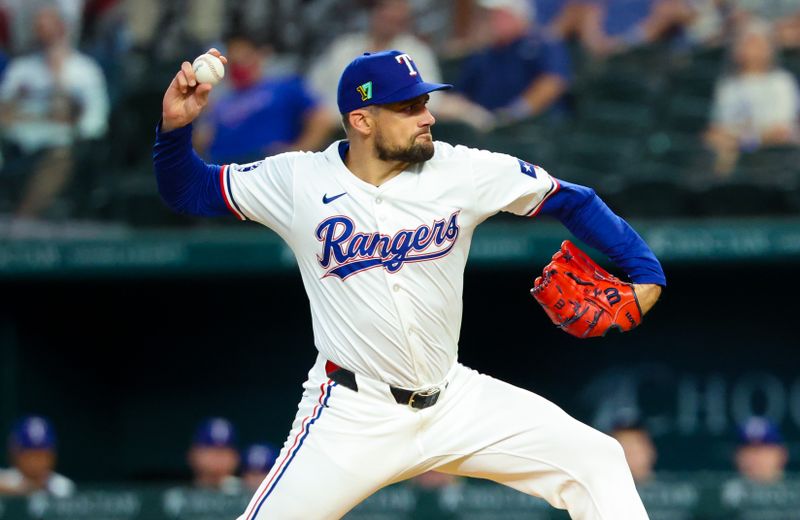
(628, 425)
(256, 40)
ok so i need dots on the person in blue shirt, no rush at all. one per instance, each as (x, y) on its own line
(606, 27)
(523, 73)
(235, 131)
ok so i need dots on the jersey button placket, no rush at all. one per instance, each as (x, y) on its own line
(382, 208)
(379, 211)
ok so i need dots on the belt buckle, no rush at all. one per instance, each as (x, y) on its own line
(425, 393)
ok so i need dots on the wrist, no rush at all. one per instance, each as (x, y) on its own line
(166, 126)
(647, 295)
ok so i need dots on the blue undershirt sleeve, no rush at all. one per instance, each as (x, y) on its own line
(186, 183)
(592, 221)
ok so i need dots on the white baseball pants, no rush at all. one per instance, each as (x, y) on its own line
(345, 445)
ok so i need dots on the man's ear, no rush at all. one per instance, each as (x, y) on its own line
(362, 121)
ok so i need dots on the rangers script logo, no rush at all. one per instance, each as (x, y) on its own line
(346, 252)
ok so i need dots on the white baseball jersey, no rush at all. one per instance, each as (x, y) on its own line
(57, 485)
(383, 265)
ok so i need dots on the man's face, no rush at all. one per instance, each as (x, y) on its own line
(391, 18)
(761, 462)
(403, 131)
(639, 452)
(504, 25)
(245, 62)
(211, 465)
(35, 465)
(48, 26)
(754, 52)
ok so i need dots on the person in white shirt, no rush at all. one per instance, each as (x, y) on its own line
(783, 15)
(49, 101)
(756, 106)
(32, 450)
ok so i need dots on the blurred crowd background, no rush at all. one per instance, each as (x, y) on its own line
(668, 107)
(682, 114)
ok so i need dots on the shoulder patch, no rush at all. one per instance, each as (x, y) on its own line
(244, 168)
(527, 168)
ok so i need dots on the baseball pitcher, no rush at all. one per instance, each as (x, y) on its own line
(381, 225)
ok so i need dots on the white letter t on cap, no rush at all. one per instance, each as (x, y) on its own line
(405, 58)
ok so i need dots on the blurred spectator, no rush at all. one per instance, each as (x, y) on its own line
(389, 28)
(213, 457)
(761, 490)
(22, 15)
(168, 31)
(707, 24)
(546, 11)
(757, 105)
(783, 15)
(664, 497)
(761, 456)
(32, 451)
(437, 496)
(523, 73)
(640, 452)
(435, 480)
(260, 115)
(107, 39)
(258, 460)
(50, 100)
(609, 26)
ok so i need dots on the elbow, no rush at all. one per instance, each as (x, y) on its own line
(170, 196)
(173, 202)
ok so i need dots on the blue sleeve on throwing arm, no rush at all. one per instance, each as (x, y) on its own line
(186, 183)
(589, 219)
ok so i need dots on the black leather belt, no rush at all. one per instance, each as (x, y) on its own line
(419, 399)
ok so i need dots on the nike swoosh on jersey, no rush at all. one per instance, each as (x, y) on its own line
(328, 200)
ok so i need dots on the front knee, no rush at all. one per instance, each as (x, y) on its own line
(603, 455)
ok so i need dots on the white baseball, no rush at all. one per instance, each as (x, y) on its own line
(208, 69)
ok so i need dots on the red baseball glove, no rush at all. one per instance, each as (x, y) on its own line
(584, 299)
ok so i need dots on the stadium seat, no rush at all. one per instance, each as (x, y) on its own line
(741, 198)
(651, 198)
(597, 152)
(614, 118)
(686, 113)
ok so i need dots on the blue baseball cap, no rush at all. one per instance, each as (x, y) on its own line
(215, 432)
(759, 430)
(379, 78)
(260, 457)
(32, 433)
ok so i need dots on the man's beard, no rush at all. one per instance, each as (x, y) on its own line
(413, 154)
